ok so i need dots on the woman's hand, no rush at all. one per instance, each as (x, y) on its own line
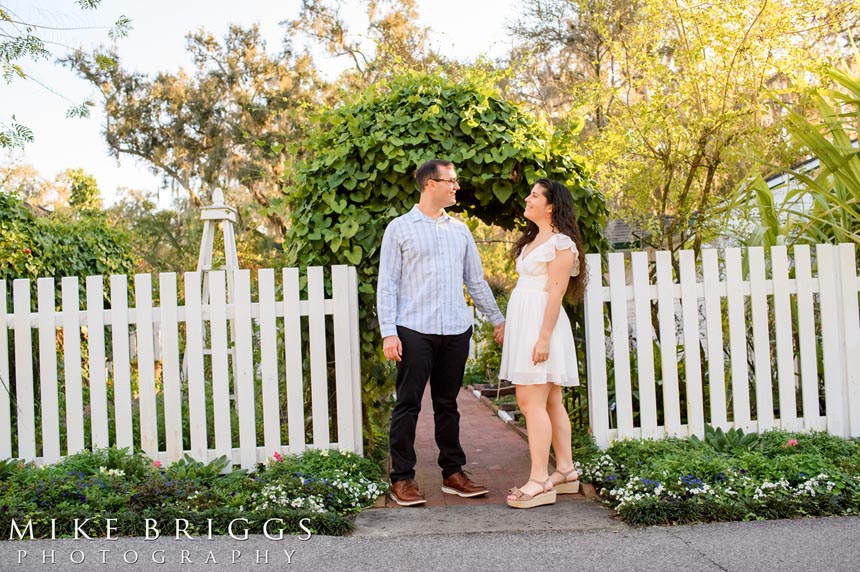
(540, 353)
(499, 333)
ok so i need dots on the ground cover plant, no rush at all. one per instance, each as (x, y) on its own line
(728, 477)
(325, 487)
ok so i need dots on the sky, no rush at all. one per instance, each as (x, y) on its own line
(463, 29)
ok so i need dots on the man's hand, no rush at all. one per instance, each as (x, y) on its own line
(499, 333)
(392, 348)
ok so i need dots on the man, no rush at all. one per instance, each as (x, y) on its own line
(426, 258)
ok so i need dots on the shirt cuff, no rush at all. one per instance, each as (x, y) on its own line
(497, 319)
(388, 330)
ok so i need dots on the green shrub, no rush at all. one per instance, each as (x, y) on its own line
(777, 475)
(325, 486)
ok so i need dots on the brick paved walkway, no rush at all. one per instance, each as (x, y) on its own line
(497, 456)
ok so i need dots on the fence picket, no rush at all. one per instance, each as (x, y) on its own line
(269, 362)
(319, 375)
(24, 390)
(194, 361)
(668, 344)
(692, 357)
(5, 382)
(713, 288)
(170, 366)
(851, 320)
(620, 342)
(644, 344)
(96, 362)
(737, 340)
(598, 397)
(121, 362)
(244, 387)
(343, 367)
(761, 339)
(835, 398)
(784, 328)
(220, 363)
(806, 335)
(146, 365)
(48, 386)
(355, 353)
(293, 361)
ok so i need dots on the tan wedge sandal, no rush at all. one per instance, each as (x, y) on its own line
(525, 500)
(567, 486)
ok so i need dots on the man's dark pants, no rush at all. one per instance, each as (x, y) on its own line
(442, 359)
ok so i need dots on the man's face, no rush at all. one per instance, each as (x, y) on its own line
(444, 186)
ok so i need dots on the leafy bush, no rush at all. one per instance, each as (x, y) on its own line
(776, 475)
(33, 247)
(322, 485)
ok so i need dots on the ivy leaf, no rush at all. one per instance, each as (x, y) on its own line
(354, 255)
(503, 190)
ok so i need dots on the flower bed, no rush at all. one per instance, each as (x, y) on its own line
(753, 477)
(318, 490)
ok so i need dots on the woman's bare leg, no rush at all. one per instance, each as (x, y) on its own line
(532, 400)
(561, 432)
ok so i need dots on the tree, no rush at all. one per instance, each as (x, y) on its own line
(227, 124)
(20, 42)
(691, 112)
(84, 194)
(393, 41)
(564, 51)
(357, 176)
(24, 182)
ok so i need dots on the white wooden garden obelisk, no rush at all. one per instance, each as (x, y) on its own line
(218, 214)
(214, 216)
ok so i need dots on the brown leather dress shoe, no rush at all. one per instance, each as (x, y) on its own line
(461, 485)
(406, 493)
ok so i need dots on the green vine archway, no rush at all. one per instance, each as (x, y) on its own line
(362, 155)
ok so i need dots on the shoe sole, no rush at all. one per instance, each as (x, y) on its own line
(450, 491)
(539, 499)
(568, 488)
(406, 503)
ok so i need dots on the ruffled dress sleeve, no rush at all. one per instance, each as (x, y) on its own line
(559, 241)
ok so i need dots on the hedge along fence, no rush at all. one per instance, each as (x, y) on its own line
(359, 176)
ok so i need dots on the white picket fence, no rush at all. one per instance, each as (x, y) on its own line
(268, 345)
(711, 306)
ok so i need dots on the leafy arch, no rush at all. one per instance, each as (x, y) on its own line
(362, 154)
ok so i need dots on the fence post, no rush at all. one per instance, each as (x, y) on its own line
(595, 348)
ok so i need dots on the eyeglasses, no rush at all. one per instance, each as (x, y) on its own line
(453, 181)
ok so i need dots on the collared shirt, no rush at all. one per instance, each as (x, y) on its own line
(423, 265)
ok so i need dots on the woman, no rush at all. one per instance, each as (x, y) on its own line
(538, 355)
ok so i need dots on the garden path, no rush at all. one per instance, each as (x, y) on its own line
(497, 456)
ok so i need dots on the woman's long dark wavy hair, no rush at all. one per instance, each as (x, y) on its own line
(564, 221)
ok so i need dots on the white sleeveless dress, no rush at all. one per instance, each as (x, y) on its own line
(525, 317)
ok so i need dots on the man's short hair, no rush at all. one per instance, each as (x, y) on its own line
(428, 170)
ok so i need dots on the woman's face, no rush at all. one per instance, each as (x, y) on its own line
(537, 208)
